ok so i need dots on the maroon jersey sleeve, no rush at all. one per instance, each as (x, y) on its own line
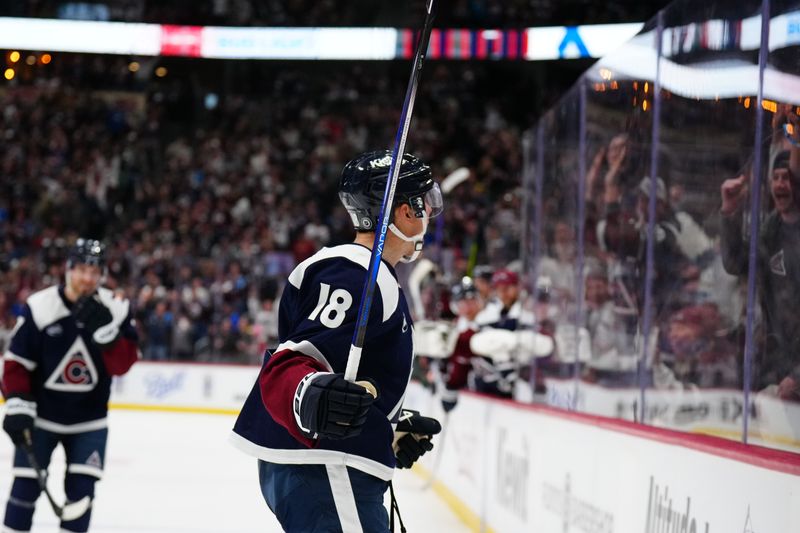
(120, 356)
(278, 382)
(460, 361)
(16, 379)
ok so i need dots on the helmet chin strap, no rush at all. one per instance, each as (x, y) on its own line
(417, 239)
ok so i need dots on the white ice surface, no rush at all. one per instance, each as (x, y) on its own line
(176, 473)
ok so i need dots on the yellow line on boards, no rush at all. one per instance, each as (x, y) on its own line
(737, 436)
(461, 510)
(172, 409)
(167, 408)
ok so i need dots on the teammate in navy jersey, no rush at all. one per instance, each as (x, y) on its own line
(68, 342)
(326, 447)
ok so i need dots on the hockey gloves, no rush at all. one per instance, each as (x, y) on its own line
(413, 437)
(20, 413)
(101, 315)
(329, 406)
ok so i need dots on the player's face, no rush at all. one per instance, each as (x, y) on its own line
(781, 188)
(411, 225)
(507, 293)
(616, 147)
(596, 291)
(421, 224)
(469, 307)
(84, 279)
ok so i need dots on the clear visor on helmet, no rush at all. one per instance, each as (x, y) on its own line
(433, 201)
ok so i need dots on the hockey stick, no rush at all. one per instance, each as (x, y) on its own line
(454, 179)
(354, 357)
(70, 511)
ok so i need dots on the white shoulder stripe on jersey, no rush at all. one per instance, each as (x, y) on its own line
(47, 307)
(71, 429)
(311, 456)
(343, 498)
(305, 348)
(389, 289)
(27, 363)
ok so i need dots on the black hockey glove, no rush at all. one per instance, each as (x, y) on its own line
(413, 437)
(20, 413)
(91, 315)
(327, 405)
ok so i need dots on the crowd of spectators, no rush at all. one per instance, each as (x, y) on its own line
(206, 206)
(206, 211)
(204, 219)
(206, 215)
(698, 274)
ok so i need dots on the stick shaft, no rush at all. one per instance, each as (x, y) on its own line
(41, 475)
(354, 357)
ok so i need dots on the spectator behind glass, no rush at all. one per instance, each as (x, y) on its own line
(701, 354)
(560, 266)
(601, 320)
(678, 241)
(778, 270)
(612, 175)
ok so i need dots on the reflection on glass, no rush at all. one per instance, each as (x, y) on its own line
(700, 229)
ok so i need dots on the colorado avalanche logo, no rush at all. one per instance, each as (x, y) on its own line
(76, 371)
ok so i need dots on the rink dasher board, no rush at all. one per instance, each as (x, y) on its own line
(184, 387)
(524, 468)
(517, 467)
(210, 388)
(222, 388)
(772, 422)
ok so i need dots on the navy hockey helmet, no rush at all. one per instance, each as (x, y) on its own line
(463, 290)
(87, 252)
(363, 184)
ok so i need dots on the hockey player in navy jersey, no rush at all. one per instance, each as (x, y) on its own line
(68, 342)
(326, 447)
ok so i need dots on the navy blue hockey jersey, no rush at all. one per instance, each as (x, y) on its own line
(317, 317)
(69, 379)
